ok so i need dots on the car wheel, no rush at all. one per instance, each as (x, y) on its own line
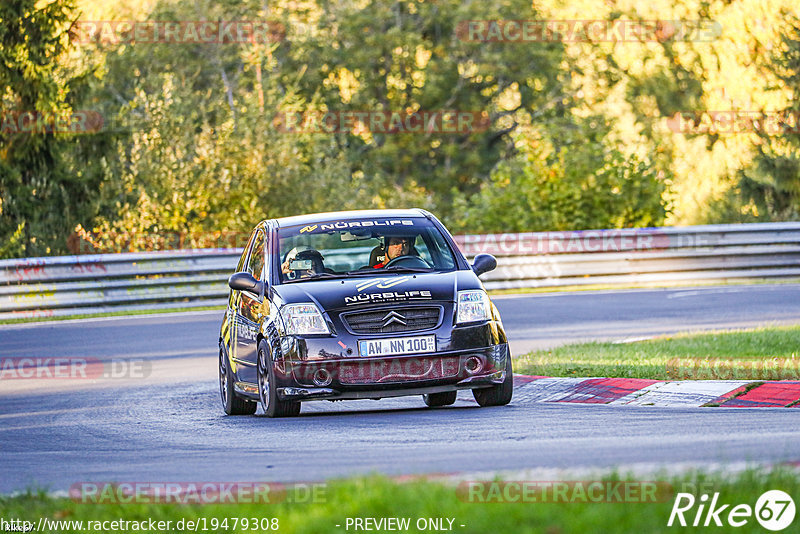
(500, 394)
(231, 403)
(272, 406)
(434, 400)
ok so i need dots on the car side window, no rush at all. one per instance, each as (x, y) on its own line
(245, 253)
(255, 265)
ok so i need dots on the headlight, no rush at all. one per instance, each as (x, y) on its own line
(473, 306)
(303, 319)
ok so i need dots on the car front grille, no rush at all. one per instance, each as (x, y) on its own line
(405, 319)
(386, 371)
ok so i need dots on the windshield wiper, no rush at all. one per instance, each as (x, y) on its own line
(360, 272)
(371, 271)
(384, 270)
(314, 277)
(400, 268)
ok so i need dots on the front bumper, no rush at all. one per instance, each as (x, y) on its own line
(374, 378)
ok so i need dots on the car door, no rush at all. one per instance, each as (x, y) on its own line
(249, 310)
(228, 330)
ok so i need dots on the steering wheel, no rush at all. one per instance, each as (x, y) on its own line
(408, 261)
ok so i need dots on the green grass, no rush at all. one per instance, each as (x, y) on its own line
(378, 497)
(107, 314)
(758, 354)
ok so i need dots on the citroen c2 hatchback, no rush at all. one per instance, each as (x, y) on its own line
(359, 305)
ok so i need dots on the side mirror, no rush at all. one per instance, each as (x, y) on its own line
(244, 282)
(484, 263)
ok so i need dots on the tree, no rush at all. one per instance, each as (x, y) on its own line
(206, 154)
(41, 197)
(772, 183)
(411, 56)
(588, 186)
(196, 153)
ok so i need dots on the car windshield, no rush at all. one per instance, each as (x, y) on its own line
(362, 246)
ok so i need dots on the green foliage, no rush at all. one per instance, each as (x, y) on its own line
(41, 195)
(575, 137)
(407, 55)
(197, 150)
(772, 184)
(585, 186)
(14, 246)
(204, 154)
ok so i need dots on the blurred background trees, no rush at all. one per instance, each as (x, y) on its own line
(42, 194)
(578, 133)
(772, 184)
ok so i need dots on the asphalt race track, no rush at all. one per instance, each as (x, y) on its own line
(164, 424)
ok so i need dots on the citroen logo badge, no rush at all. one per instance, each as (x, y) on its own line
(393, 317)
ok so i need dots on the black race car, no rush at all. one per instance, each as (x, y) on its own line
(359, 305)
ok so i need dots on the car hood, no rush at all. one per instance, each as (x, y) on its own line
(401, 288)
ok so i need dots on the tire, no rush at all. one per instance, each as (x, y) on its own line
(499, 394)
(434, 400)
(232, 404)
(272, 406)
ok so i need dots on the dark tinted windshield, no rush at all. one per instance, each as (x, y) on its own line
(340, 247)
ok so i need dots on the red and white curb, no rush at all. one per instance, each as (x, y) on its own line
(642, 392)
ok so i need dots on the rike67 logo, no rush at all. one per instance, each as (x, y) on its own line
(774, 511)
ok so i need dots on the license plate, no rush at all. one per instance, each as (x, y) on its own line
(397, 345)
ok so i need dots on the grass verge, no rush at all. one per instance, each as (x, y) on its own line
(759, 354)
(378, 497)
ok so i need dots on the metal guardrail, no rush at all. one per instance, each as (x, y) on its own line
(648, 256)
(86, 284)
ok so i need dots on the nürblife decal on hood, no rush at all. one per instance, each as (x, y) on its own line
(385, 296)
(389, 296)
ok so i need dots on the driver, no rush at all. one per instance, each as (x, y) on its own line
(396, 246)
(303, 262)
